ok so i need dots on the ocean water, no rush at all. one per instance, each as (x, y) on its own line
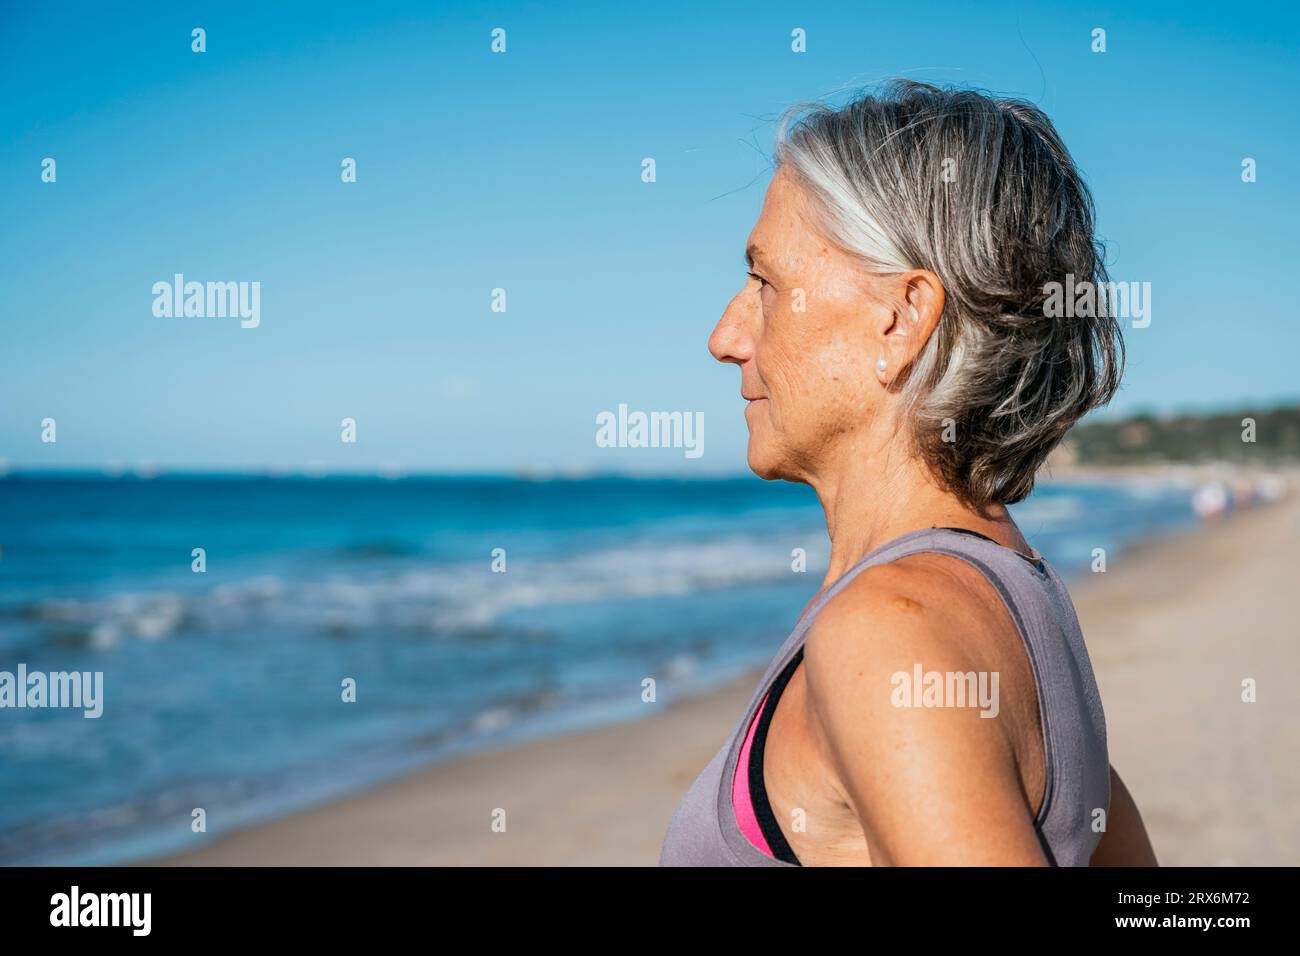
(223, 689)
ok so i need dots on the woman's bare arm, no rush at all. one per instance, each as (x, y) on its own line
(930, 786)
(1125, 842)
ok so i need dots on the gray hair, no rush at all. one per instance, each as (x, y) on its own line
(982, 193)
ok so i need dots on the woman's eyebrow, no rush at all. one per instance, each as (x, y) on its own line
(753, 254)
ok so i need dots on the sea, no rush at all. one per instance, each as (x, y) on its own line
(269, 643)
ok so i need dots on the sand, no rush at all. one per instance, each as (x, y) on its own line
(1173, 626)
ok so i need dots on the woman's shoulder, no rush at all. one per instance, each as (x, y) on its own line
(928, 599)
(923, 614)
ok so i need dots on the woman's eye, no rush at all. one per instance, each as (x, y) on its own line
(761, 280)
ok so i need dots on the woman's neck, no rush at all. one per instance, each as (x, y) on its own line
(870, 500)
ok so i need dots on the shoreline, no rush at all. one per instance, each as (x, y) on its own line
(1217, 780)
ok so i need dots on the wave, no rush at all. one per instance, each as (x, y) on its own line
(445, 601)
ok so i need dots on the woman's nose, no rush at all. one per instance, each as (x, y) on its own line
(731, 340)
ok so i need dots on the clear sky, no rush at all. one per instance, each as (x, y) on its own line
(523, 171)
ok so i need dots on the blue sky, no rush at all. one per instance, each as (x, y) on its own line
(522, 171)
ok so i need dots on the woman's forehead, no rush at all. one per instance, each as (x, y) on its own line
(782, 222)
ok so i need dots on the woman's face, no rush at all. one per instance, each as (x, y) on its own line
(805, 330)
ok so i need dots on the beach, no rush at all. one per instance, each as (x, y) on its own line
(1174, 626)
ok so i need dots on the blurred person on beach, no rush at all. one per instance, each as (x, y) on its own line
(900, 354)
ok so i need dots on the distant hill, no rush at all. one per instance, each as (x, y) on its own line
(1149, 439)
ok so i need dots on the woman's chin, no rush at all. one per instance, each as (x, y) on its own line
(766, 457)
(762, 462)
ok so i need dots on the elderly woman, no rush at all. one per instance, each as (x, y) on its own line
(935, 703)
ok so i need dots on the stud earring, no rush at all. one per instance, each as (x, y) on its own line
(880, 364)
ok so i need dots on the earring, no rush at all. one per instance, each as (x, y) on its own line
(880, 364)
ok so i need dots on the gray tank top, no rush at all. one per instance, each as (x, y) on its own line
(704, 831)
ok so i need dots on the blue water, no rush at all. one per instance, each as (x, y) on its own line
(223, 689)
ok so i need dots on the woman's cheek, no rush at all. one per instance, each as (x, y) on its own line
(781, 370)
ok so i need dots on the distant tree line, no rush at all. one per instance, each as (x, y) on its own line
(1250, 435)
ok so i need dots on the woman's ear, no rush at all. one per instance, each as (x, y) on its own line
(918, 307)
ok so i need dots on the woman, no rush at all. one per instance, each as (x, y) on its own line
(935, 703)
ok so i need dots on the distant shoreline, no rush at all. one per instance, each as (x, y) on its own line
(1052, 471)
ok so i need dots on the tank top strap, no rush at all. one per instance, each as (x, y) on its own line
(973, 547)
